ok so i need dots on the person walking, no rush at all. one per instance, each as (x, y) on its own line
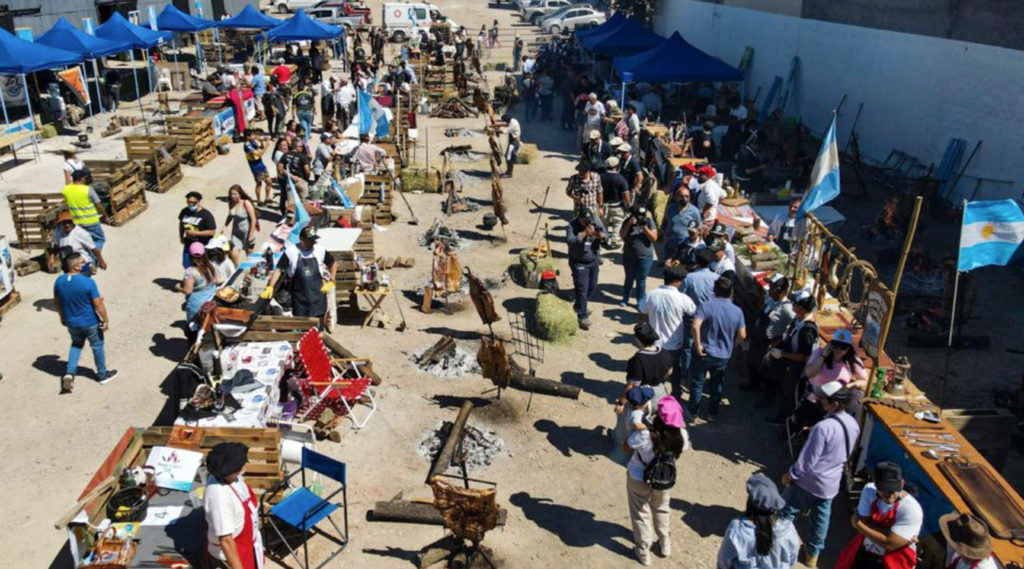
(72, 163)
(254, 148)
(273, 108)
(668, 310)
(649, 497)
(816, 476)
(760, 539)
(649, 367)
(78, 302)
(304, 108)
(639, 234)
(718, 326)
(585, 236)
(196, 224)
(515, 133)
(585, 189)
(84, 204)
(243, 222)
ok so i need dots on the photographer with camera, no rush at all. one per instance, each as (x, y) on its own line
(638, 233)
(585, 236)
(585, 190)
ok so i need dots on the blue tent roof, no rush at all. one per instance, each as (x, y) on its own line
(630, 37)
(301, 27)
(63, 35)
(251, 18)
(174, 20)
(117, 28)
(676, 61)
(609, 24)
(18, 56)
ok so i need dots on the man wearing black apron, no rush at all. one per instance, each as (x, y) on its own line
(311, 271)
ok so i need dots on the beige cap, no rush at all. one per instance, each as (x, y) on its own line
(595, 134)
(623, 148)
(616, 142)
(612, 162)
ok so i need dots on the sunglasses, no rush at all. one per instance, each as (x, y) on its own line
(836, 345)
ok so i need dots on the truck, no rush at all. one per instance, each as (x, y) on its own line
(402, 19)
(338, 17)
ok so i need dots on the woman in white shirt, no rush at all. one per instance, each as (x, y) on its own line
(72, 163)
(759, 539)
(232, 514)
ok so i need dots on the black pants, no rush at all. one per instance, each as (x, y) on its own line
(341, 114)
(584, 282)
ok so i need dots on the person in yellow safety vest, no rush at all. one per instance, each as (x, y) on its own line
(85, 207)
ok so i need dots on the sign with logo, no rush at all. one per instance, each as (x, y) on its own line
(72, 77)
(877, 304)
(175, 468)
(13, 92)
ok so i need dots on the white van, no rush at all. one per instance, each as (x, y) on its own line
(401, 18)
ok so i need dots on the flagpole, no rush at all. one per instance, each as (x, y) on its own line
(952, 314)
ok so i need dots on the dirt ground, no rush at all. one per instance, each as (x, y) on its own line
(565, 496)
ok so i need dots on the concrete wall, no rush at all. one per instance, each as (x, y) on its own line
(917, 91)
(75, 10)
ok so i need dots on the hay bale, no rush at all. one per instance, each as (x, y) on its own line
(525, 269)
(527, 154)
(48, 131)
(417, 180)
(553, 319)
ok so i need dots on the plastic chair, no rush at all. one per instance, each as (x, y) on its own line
(164, 81)
(302, 510)
(324, 383)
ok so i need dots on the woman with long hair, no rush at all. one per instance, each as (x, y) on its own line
(243, 220)
(837, 361)
(760, 539)
(649, 509)
(199, 284)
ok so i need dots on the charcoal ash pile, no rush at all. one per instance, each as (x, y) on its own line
(479, 447)
(445, 359)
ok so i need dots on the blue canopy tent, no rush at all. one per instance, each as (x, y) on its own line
(630, 37)
(63, 35)
(676, 61)
(611, 23)
(117, 28)
(172, 19)
(301, 27)
(253, 19)
(19, 57)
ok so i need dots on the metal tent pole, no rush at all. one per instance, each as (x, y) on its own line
(31, 118)
(3, 105)
(138, 96)
(99, 94)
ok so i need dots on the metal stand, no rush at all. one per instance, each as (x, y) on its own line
(526, 344)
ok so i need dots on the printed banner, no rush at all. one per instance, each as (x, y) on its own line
(72, 77)
(12, 90)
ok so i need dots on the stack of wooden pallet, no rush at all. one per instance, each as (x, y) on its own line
(377, 192)
(195, 138)
(34, 217)
(159, 157)
(127, 193)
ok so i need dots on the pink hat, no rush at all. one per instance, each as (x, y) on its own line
(670, 411)
(196, 250)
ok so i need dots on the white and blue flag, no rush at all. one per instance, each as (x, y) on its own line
(824, 185)
(302, 218)
(991, 233)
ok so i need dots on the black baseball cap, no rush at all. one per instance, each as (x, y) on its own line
(888, 477)
(308, 233)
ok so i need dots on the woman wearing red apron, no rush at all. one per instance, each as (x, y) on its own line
(887, 523)
(232, 513)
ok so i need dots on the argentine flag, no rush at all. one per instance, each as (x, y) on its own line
(365, 112)
(991, 233)
(825, 176)
(302, 218)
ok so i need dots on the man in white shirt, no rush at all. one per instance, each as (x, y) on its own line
(633, 124)
(594, 113)
(737, 109)
(70, 238)
(344, 99)
(515, 132)
(669, 310)
(888, 521)
(710, 193)
(367, 155)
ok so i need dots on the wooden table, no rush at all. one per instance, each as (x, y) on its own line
(377, 298)
(12, 138)
(881, 441)
(679, 161)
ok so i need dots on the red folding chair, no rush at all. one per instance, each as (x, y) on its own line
(325, 382)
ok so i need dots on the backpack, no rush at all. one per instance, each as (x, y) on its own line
(660, 473)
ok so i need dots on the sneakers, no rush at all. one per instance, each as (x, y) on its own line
(664, 547)
(584, 323)
(67, 383)
(643, 558)
(108, 376)
(809, 560)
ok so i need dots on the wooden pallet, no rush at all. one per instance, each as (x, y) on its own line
(372, 190)
(34, 217)
(195, 138)
(127, 193)
(160, 158)
(263, 469)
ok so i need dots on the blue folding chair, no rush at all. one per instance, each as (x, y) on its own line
(302, 510)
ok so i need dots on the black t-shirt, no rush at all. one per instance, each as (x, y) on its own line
(296, 161)
(746, 160)
(630, 170)
(637, 243)
(303, 101)
(306, 283)
(197, 220)
(699, 150)
(649, 368)
(613, 186)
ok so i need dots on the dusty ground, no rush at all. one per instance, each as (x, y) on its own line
(565, 497)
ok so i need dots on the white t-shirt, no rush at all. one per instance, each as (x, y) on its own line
(724, 266)
(639, 441)
(225, 513)
(909, 516)
(710, 194)
(962, 563)
(665, 307)
(594, 112)
(72, 165)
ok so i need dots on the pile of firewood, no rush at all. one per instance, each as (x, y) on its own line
(454, 108)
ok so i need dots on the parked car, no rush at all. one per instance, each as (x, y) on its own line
(540, 8)
(337, 17)
(285, 6)
(349, 9)
(575, 18)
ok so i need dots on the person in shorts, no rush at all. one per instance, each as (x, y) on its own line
(254, 149)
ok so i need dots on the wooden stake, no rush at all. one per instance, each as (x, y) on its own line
(444, 458)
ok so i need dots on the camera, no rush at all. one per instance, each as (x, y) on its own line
(638, 212)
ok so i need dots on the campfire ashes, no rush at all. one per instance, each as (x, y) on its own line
(479, 447)
(453, 363)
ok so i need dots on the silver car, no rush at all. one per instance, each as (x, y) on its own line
(537, 9)
(576, 18)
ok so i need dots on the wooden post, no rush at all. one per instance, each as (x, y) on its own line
(444, 458)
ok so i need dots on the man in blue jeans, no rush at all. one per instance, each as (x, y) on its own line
(585, 236)
(81, 309)
(814, 479)
(718, 325)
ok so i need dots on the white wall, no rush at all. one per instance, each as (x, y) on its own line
(917, 91)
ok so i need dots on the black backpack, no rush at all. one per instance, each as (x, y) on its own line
(660, 473)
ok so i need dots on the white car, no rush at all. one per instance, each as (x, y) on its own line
(576, 18)
(285, 6)
(538, 9)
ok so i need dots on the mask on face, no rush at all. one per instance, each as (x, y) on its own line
(193, 208)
